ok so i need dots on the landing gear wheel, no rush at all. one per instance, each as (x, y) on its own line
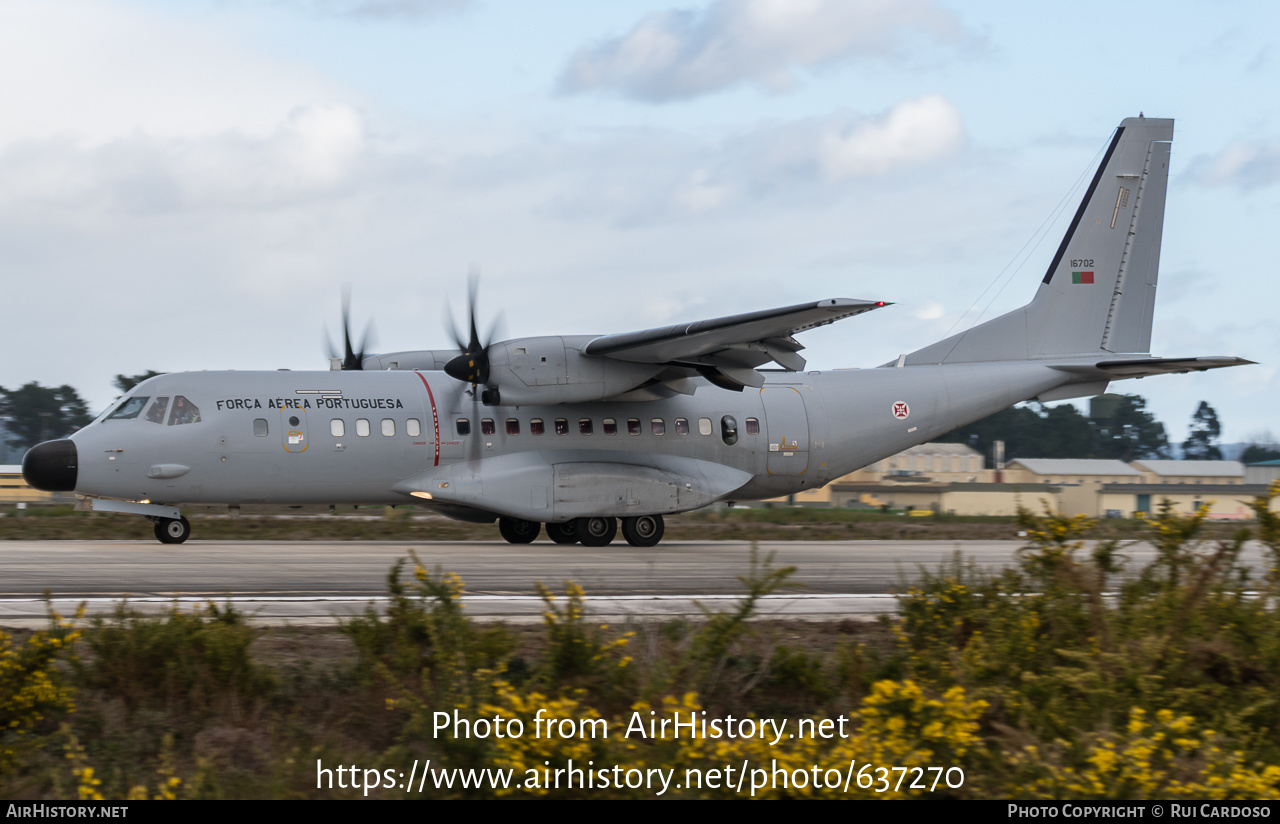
(643, 530)
(517, 531)
(169, 531)
(565, 533)
(597, 531)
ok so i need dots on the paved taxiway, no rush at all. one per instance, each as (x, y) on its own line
(306, 581)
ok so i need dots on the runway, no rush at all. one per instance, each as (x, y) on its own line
(310, 582)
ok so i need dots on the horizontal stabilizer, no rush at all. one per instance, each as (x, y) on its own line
(1142, 367)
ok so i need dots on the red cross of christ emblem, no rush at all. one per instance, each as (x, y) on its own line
(901, 410)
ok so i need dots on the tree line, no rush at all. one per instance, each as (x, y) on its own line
(1118, 427)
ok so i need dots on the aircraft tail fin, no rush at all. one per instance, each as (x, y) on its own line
(1099, 292)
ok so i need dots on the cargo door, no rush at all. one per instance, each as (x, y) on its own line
(788, 430)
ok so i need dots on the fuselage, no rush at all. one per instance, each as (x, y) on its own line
(384, 437)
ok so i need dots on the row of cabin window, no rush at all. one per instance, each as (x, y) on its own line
(338, 427)
(658, 426)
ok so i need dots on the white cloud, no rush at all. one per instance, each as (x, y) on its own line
(930, 310)
(109, 105)
(683, 53)
(394, 9)
(1246, 165)
(92, 71)
(702, 193)
(313, 149)
(912, 132)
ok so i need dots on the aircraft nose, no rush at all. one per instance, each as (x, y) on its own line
(52, 466)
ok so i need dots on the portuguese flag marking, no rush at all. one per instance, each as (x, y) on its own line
(1082, 277)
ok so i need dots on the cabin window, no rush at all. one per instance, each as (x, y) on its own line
(156, 413)
(682, 426)
(659, 426)
(183, 411)
(463, 426)
(633, 426)
(337, 427)
(130, 409)
(610, 426)
(729, 430)
(584, 426)
(388, 427)
(260, 427)
(753, 426)
(562, 426)
(704, 426)
(362, 427)
(537, 427)
(513, 426)
(413, 427)
(487, 426)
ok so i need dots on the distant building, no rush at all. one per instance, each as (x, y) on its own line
(949, 477)
(1223, 473)
(1228, 502)
(1072, 471)
(1263, 472)
(927, 463)
(13, 487)
(975, 498)
(1078, 479)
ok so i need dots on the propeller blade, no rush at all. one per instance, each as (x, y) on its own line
(472, 364)
(352, 358)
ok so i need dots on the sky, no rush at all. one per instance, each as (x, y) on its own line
(191, 185)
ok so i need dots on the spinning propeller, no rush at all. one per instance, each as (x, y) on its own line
(351, 357)
(472, 366)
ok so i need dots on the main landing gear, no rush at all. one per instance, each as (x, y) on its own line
(172, 531)
(640, 530)
(516, 531)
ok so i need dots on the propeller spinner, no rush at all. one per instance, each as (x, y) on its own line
(472, 366)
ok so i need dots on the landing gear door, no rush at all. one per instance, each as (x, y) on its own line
(788, 428)
(293, 429)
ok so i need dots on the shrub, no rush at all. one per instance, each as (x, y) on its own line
(183, 661)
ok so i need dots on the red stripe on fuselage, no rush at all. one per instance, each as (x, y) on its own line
(435, 416)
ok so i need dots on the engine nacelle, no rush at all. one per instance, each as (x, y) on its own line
(536, 370)
(553, 370)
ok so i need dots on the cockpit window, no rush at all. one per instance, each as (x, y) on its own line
(130, 409)
(183, 411)
(155, 414)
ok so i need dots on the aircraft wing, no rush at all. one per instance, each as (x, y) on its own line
(732, 345)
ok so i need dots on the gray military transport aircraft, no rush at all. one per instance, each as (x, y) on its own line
(577, 432)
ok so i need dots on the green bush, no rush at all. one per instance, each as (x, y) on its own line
(181, 661)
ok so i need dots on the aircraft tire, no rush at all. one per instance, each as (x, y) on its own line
(518, 531)
(565, 533)
(170, 531)
(597, 531)
(643, 530)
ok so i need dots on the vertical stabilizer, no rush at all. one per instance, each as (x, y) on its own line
(1098, 294)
